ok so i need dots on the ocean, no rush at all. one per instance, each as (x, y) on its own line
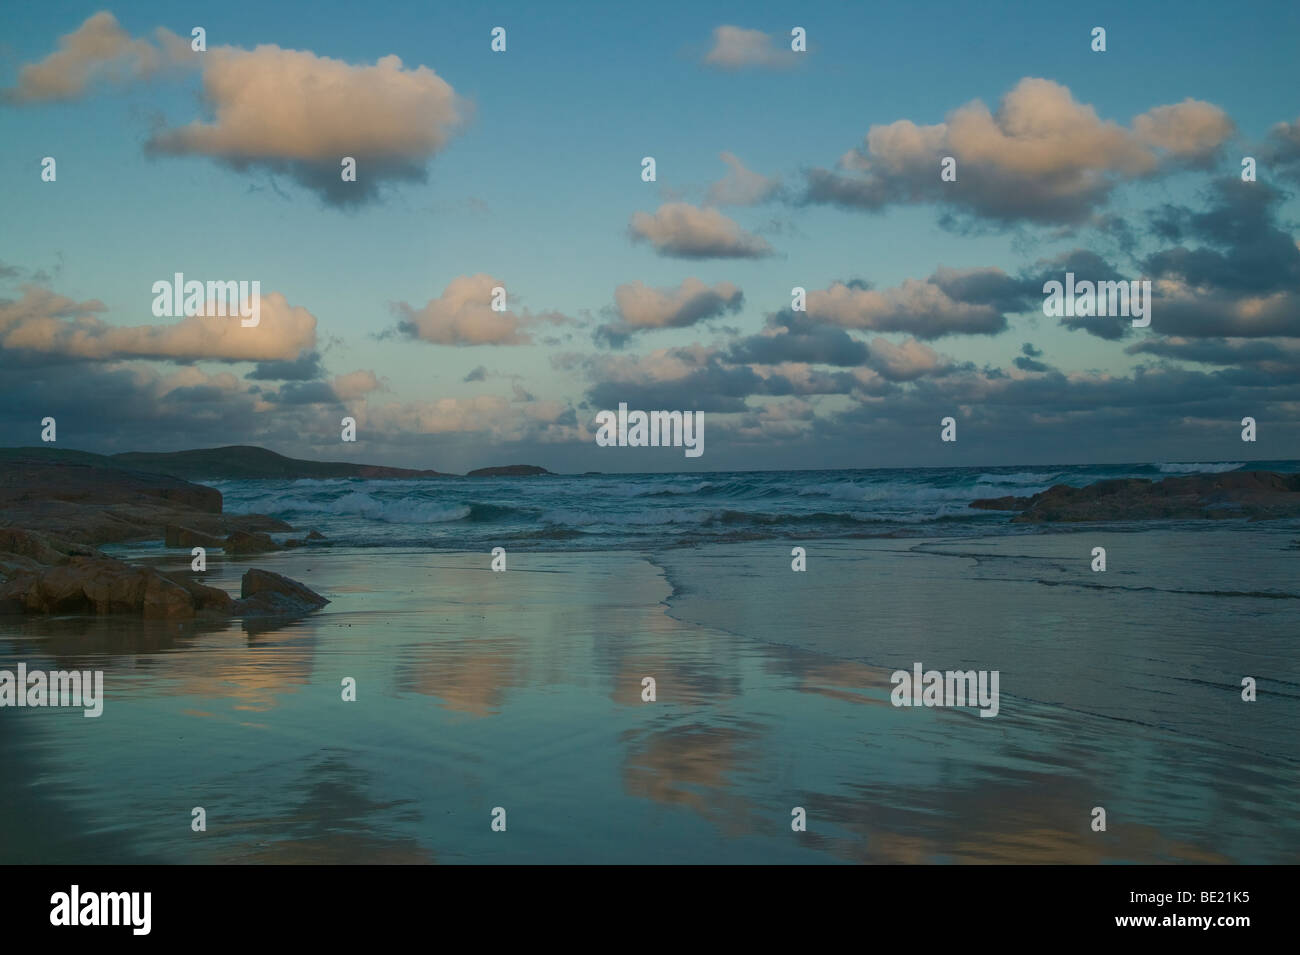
(524, 690)
(613, 512)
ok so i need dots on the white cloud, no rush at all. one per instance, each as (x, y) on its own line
(43, 321)
(736, 48)
(97, 51)
(681, 230)
(463, 315)
(741, 186)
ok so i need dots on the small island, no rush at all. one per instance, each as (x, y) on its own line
(509, 470)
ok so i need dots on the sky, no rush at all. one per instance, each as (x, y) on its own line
(522, 169)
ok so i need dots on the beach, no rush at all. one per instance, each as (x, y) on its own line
(523, 690)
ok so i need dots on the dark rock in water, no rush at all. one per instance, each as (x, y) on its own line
(263, 593)
(1002, 503)
(1258, 495)
(509, 470)
(177, 536)
(314, 537)
(240, 543)
(205, 599)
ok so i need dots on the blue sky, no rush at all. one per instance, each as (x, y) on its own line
(536, 187)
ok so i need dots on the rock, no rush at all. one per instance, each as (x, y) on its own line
(104, 585)
(1257, 495)
(263, 593)
(311, 538)
(177, 536)
(1002, 503)
(244, 542)
(13, 564)
(165, 598)
(85, 498)
(40, 547)
(206, 600)
(97, 585)
(27, 474)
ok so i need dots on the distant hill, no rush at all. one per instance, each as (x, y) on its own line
(238, 461)
(509, 470)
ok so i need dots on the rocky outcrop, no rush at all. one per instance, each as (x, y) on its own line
(263, 593)
(242, 543)
(57, 506)
(509, 470)
(101, 585)
(1257, 495)
(94, 505)
(188, 538)
(40, 548)
(28, 475)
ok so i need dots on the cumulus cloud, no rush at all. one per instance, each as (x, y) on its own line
(1042, 157)
(293, 112)
(950, 302)
(905, 361)
(1087, 266)
(47, 323)
(1234, 244)
(288, 112)
(1235, 272)
(1192, 128)
(790, 338)
(463, 315)
(741, 186)
(1268, 356)
(641, 307)
(98, 51)
(1185, 310)
(736, 48)
(680, 230)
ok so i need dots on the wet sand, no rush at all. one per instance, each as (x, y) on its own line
(523, 690)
